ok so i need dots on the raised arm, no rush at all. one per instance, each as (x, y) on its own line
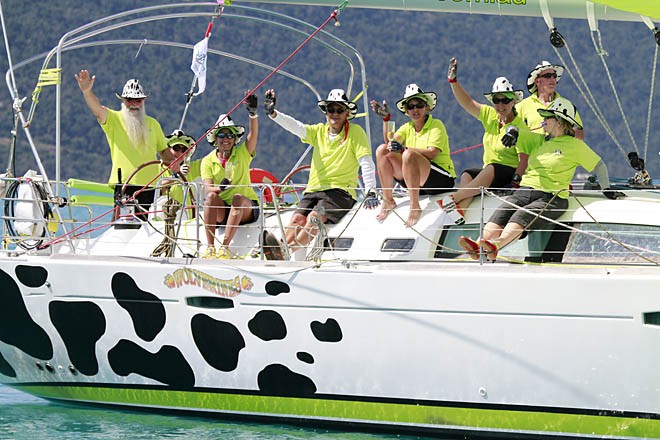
(251, 103)
(86, 83)
(462, 97)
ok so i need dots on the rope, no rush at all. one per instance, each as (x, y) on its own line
(648, 114)
(166, 247)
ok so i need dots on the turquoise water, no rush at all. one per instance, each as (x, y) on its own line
(25, 417)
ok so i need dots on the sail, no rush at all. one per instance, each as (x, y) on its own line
(620, 10)
(648, 8)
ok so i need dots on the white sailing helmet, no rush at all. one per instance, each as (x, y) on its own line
(339, 96)
(564, 109)
(132, 90)
(540, 67)
(503, 86)
(225, 121)
(414, 91)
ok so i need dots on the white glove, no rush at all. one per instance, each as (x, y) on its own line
(184, 169)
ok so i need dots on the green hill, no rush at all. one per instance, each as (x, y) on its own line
(397, 47)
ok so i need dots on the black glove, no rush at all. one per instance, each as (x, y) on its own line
(395, 146)
(251, 103)
(224, 183)
(612, 194)
(371, 200)
(452, 71)
(269, 102)
(510, 138)
(381, 110)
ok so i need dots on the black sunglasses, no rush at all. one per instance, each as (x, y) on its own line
(549, 75)
(335, 110)
(179, 148)
(504, 100)
(225, 135)
(411, 106)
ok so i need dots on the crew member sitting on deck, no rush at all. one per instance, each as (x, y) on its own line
(230, 200)
(133, 137)
(340, 148)
(543, 191)
(503, 162)
(542, 83)
(180, 144)
(417, 156)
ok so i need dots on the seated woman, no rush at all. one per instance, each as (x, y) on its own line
(544, 188)
(226, 176)
(503, 164)
(418, 155)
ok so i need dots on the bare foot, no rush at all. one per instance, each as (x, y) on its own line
(413, 216)
(386, 208)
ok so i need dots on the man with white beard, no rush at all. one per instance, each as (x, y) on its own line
(133, 137)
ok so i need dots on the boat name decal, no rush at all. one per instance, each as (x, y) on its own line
(192, 277)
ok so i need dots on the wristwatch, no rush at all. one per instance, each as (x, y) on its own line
(516, 178)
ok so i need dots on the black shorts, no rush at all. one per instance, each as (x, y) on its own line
(333, 203)
(255, 214)
(439, 181)
(502, 174)
(536, 201)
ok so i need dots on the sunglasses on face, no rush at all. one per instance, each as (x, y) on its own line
(225, 135)
(411, 105)
(335, 110)
(548, 75)
(179, 148)
(504, 100)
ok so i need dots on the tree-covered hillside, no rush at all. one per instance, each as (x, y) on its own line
(397, 47)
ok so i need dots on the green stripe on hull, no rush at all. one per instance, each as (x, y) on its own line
(370, 412)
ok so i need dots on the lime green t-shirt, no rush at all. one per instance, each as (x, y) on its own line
(494, 150)
(528, 112)
(335, 162)
(127, 157)
(433, 134)
(241, 159)
(552, 165)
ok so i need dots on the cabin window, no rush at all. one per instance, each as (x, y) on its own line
(398, 245)
(613, 243)
(338, 243)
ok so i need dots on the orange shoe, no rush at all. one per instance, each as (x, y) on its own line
(470, 246)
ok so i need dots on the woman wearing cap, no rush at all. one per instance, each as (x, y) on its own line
(133, 137)
(418, 156)
(544, 188)
(226, 175)
(180, 144)
(542, 83)
(340, 148)
(503, 165)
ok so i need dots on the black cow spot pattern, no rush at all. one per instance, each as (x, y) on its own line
(268, 325)
(305, 357)
(5, 368)
(167, 366)
(219, 342)
(18, 328)
(328, 332)
(275, 287)
(278, 380)
(80, 324)
(31, 276)
(146, 310)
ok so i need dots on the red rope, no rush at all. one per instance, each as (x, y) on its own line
(467, 148)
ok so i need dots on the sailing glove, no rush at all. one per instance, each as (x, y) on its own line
(269, 102)
(452, 72)
(510, 138)
(251, 104)
(381, 110)
(395, 146)
(371, 200)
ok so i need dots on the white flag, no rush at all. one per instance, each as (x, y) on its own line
(198, 65)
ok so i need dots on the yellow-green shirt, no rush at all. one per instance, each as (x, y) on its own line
(128, 157)
(494, 150)
(335, 162)
(195, 172)
(528, 112)
(432, 134)
(240, 158)
(552, 165)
